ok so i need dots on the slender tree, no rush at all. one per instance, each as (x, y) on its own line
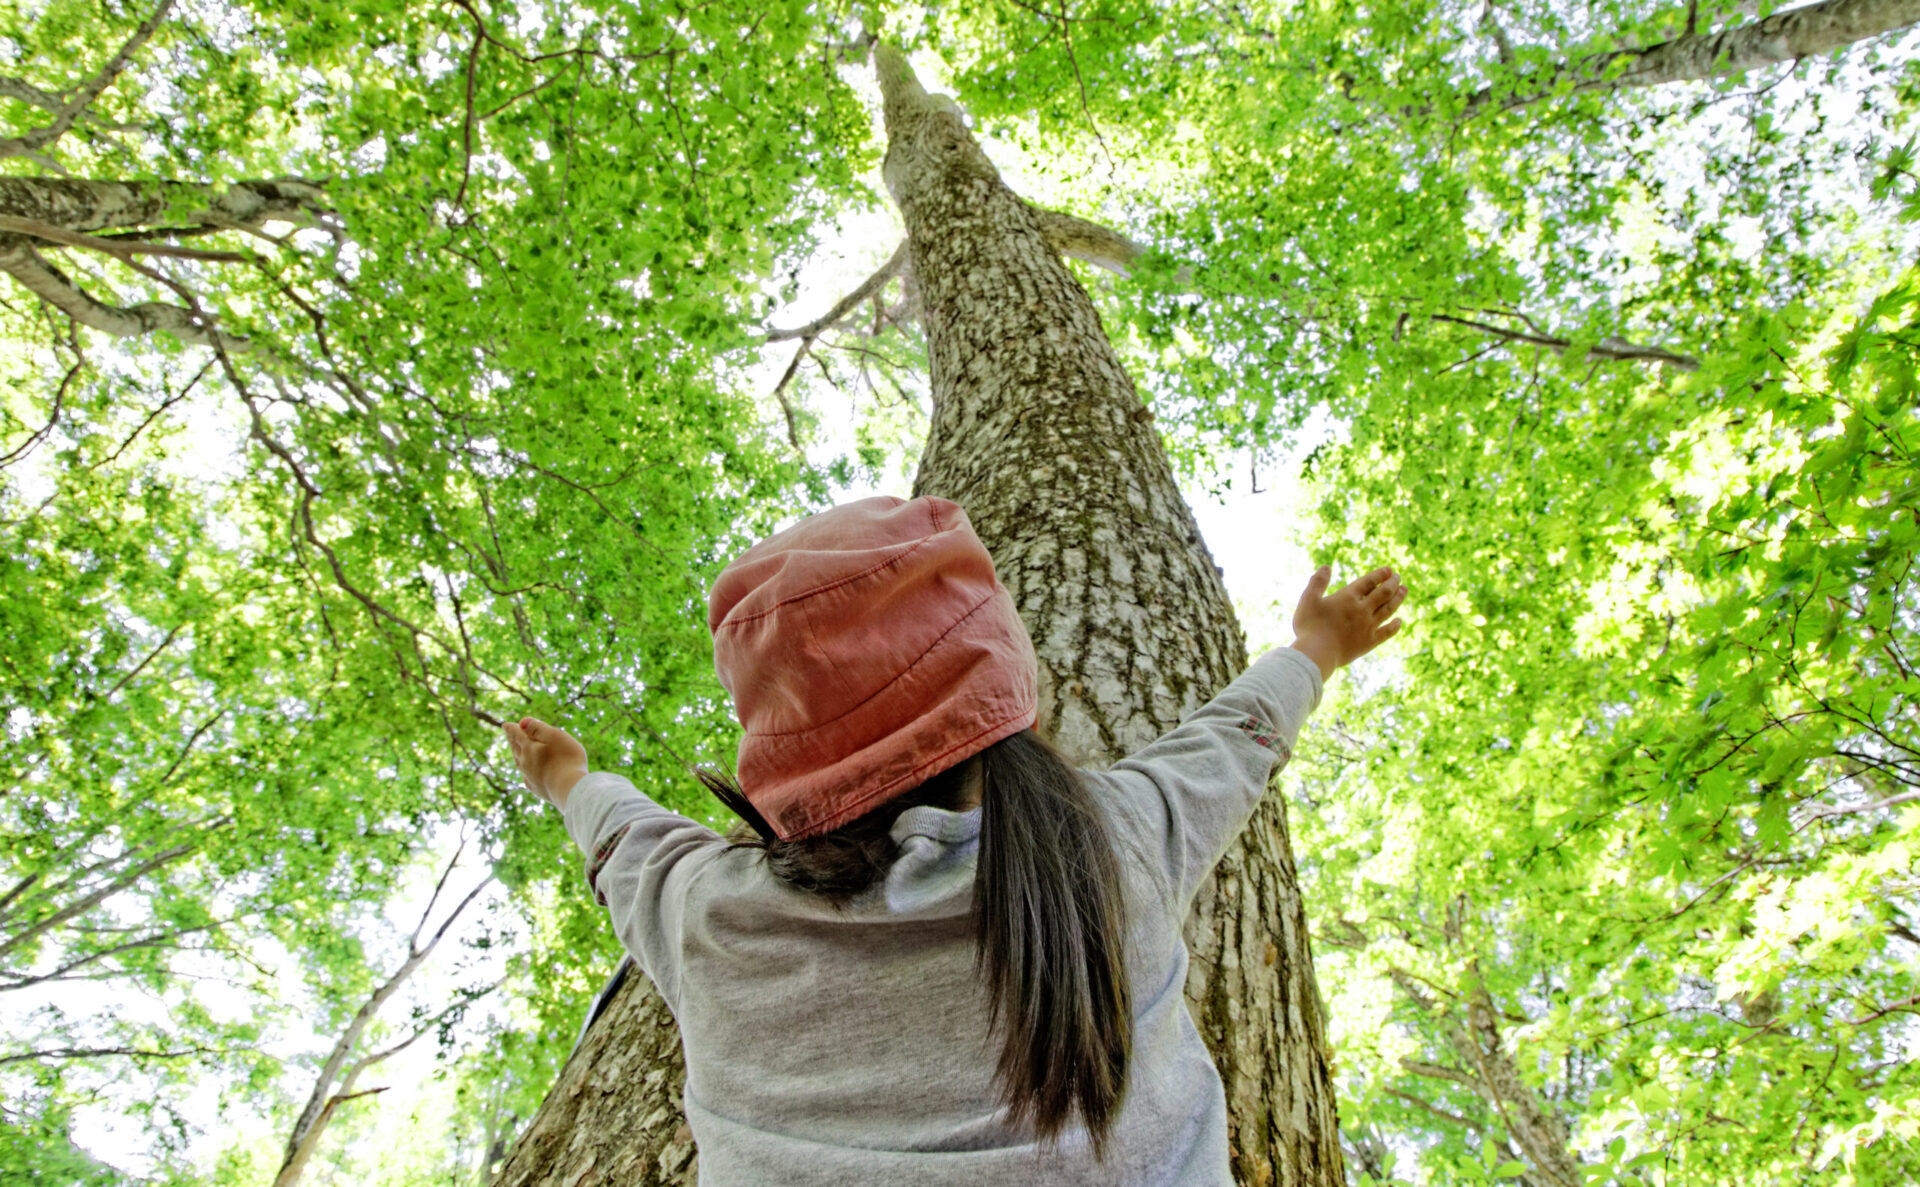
(336, 1083)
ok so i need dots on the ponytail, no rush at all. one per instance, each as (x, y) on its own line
(1052, 940)
(1051, 924)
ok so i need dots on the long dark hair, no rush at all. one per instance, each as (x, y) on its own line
(1051, 936)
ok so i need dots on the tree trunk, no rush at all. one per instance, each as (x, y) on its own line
(614, 1115)
(1037, 430)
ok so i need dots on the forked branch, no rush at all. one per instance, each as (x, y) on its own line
(896, 263)
(336, 1071)
(83, 97)
(112, 247)
(54, 287)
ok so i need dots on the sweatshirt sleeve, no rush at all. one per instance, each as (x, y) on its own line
(1196, 786)
(640, 860)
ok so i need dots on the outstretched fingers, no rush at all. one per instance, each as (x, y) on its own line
(1382, 604)
(1368, 584)
(1380, 596)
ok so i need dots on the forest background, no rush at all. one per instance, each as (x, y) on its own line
(374, 371)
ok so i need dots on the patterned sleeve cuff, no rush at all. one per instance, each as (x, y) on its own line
(1266, 735)
(602, 852)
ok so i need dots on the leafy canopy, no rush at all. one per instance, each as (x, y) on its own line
(1620, 375)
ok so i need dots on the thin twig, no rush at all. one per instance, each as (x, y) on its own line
(780, 392)
(1882, 1012)
(847, 304)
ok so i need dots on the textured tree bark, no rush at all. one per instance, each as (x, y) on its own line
(77, 204)
(1785, 36)
(614, 1115)
(1037, 430)
(334, 1085)
(143, 216)
(57, 289)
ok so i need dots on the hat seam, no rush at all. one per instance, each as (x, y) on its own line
(848, 811)
(897, 557)
(897, 677)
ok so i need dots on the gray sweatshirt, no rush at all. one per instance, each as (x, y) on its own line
(849, 1047)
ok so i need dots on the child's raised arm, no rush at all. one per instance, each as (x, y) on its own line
(638, 853)
(1196, 785)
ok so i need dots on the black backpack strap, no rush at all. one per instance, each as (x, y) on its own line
(603, 998)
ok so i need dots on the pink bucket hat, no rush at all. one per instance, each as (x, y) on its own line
(867, 648)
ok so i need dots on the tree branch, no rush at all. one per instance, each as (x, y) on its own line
(86, 903)
(296, 1162)
(170, 207)
(1437, 1072)
(1082, 239)
(22, 91)
(154, 415)
(1104, 247)
(461, 1003)
(1450, 1118)
(64, 972)
(59, 401)
(56, 289)
(847, 304)
(142, 665)
(101, 1052)
(89, 91)
(1883, 1011)
(1892, 801)
(1612, 349)
(113, 247)
(780, 393)
(335, 1069)
(1787, 36)
(440, 884)
(18, 888)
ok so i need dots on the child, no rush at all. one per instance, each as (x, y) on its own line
(943, 956)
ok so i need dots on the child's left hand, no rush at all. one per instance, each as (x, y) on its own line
(550, 759)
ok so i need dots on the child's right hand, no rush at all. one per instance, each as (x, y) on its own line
(1335, 629)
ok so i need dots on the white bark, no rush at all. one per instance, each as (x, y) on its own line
(56, 289)
(1786, 36)
(82, 205)
(334, 1085)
